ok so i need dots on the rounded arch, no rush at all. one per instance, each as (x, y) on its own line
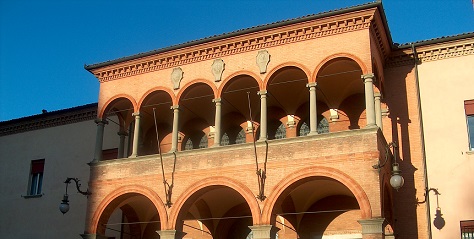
(356, 59)
(271, 73)
(239, 73)
(189, 84)
(243, 190)
(133, 189)
(101, 111)
(346, 180)
(156, 89)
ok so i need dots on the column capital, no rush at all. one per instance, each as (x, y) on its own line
(372, 225)
(101, 121)
(311, 84)
(263, 231)
(262, 92)
(217, 100)
(167, 234)
(377, 95)
(368, 77)
(136, 113)
(174, 107)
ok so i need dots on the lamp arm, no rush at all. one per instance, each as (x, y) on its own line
(390, 145)
(78, 185)
(427, 191)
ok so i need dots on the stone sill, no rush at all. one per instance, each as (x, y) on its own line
(32, 196)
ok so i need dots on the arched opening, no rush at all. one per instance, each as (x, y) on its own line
(129, 216)
(341, 89)
(197, 115)
(236, 94)
(156, 116)
(287, 93)
(120, 122)
(217, 212)
(317, 207)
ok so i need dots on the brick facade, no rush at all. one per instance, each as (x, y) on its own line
(310, 185)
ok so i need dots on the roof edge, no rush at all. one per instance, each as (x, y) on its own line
(437, 40)
(368, 5)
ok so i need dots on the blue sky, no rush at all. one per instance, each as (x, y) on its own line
(45, 44)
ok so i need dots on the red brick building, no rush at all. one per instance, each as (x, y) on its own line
(278, 131)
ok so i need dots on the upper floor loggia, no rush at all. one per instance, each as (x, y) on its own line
(311, 75)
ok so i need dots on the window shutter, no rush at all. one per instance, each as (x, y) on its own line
(37, 166)
(469, 107)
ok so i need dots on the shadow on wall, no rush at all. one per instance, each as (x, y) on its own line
(402, 115)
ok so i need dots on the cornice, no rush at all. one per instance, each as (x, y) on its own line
(47, 120)
(433, 52)
(235, 45)
(381, 35)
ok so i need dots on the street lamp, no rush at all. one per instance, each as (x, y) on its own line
(64, 206)
(396, 181)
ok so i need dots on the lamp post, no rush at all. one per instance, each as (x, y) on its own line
(64, 206)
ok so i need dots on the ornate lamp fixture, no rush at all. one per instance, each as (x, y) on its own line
(64, 206)
(396, 181)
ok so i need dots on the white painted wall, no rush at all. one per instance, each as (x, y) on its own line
(444, 85)
(67, 150)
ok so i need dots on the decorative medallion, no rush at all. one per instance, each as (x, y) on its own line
(176, 77)
(218, 67)
(262, 60)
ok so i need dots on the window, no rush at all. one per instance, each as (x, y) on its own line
(469, 107)
(240, 137)
(36, 177)
(188, 145)
(225, 140)
(467, 229)
(304, 129)
(203, 143)
(280, 132)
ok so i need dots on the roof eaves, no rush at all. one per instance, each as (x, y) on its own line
(377, 3)
(437, 40)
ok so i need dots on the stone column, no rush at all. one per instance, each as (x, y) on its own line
(313, 114)
(167, 234)
(174, 139)
(217, 124)
(136, 135)
(372, 228)
(369, 99)
(121, 147)
(262, 231)
(378, 110)
(99, 139)
(263, 115)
